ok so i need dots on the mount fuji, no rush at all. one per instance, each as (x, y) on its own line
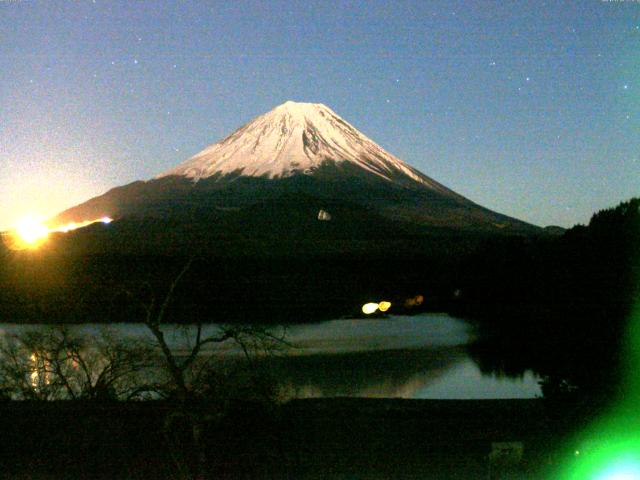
(299, 138)
(283, 171)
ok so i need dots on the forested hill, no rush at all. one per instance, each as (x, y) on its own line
(561, 305)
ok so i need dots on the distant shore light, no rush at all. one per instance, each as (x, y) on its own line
(369, 308)
(384, 306)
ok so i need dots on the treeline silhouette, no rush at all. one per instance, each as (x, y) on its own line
(263, 280)
(560, 305)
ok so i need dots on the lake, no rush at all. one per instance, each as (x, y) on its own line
(421, 356)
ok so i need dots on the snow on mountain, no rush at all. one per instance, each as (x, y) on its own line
(300, 149)
(297, 138)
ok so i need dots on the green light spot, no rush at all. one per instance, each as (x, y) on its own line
(622, 471)
(611, 459)
(610, 448)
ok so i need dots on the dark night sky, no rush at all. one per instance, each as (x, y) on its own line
(528, 108)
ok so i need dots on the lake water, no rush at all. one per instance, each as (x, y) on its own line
(422, 356)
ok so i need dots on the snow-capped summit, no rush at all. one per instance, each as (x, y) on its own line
(297, 138)
(292, 163)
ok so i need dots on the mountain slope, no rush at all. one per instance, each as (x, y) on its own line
(297, 149)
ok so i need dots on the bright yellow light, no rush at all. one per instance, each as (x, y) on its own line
(74, 225)
(30, 233)
(68, 227)
(384, 306)
(369, 308)
(34, 370)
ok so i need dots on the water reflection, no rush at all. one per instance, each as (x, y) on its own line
(466, 380)
(425, 356)
(388, 373)
(427, 331)
(442, 373)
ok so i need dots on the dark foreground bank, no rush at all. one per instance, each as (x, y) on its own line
(329, 438)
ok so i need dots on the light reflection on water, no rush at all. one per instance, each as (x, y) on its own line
(396, 332)
(423, 356)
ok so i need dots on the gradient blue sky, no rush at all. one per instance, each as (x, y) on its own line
(528, 108)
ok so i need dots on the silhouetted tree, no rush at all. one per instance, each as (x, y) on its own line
(59, 364)
(196, 385)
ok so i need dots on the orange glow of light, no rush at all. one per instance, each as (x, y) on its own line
(30, 232)
(414, 301)
(384, 306)
(74, 226)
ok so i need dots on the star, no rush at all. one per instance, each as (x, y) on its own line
(492, 64)
(135, 61)
(625, 87)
